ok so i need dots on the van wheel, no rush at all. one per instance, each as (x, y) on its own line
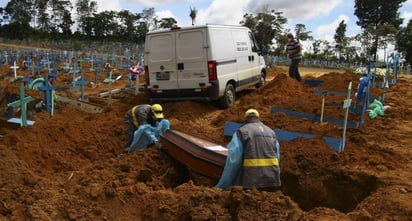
(262, 80)
(228, 98)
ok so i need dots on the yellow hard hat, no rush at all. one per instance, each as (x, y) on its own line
(252, 113)
(157, 111)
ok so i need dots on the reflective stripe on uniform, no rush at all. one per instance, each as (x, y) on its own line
(260, 162)
(134, 116)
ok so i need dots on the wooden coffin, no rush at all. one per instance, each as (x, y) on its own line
(201, 156)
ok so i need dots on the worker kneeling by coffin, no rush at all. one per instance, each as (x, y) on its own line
(144, 125)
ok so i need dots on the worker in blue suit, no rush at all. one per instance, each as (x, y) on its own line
(362, 88)
(253, 157)
(144, 123)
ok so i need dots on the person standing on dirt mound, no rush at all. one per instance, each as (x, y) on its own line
(147, 118)
(294, 52)
(253, 157)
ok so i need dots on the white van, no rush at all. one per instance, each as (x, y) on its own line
(208, 62)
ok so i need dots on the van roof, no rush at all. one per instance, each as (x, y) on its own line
(177, 28)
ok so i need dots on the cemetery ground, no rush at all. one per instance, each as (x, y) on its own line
(66, 165)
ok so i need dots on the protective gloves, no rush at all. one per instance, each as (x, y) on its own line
(158, 144)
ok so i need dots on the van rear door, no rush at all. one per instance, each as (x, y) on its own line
(177, 60)
(160, 52)
(191, 55)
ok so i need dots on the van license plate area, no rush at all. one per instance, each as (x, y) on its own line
(162, 76)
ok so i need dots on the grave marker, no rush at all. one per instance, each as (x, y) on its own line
(22, 102)
(81, 82)
(15, 67)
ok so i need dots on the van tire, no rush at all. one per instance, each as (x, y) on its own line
(229, 96)
(261, 80)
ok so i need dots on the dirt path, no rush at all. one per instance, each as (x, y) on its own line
(312, 71)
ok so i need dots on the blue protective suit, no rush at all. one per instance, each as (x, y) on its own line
(362, 89)
(146, 135)
(234, 162)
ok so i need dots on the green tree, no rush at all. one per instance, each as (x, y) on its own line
(167, 22)
(66, 23)
(404, 42)
(266, 26)
(85, 10)
(316, 47)
(128, 23)
(19, 13)
(104, 24)
(365, 45)
(373, 14)
(340, 38)
(193, 14)
(301, 33)
(349, 51)
(387, 35)
(249, 21)
(42, 19)
(141, 31)
(2, 16)
(61, 16)
(149, 18)
(327, 52)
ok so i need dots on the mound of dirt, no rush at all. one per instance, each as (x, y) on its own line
(67, 166)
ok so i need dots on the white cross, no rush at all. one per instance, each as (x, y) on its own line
(15, 67)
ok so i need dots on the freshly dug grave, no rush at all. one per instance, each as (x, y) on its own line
(66, 166)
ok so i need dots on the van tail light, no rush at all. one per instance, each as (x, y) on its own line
(146, 75)
(211, 68)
